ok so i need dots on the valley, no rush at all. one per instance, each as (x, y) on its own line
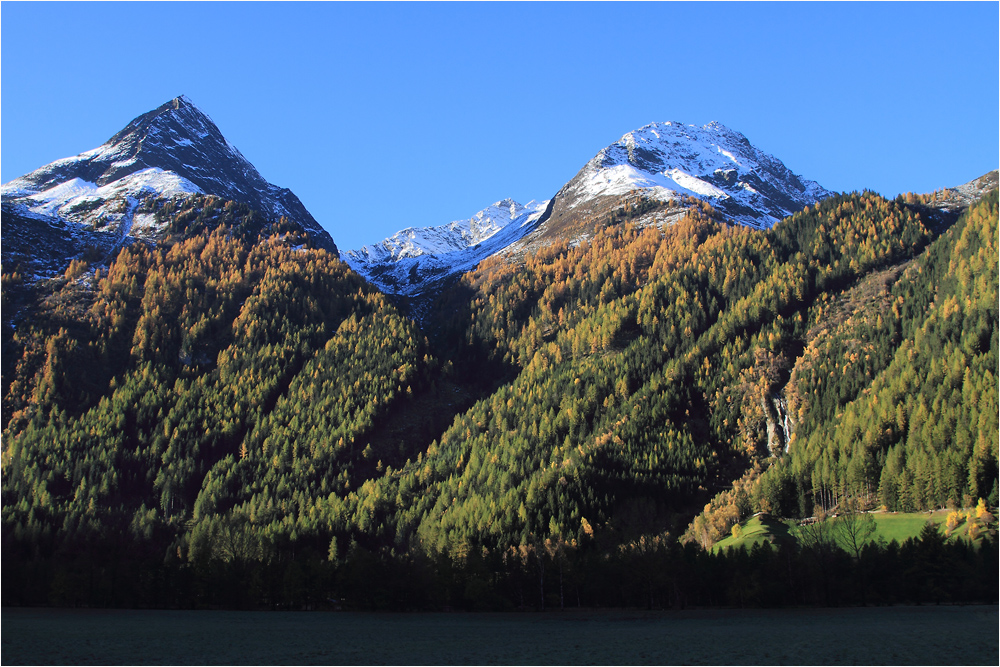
(207, 404)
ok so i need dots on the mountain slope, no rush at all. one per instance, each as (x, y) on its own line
(231, 411)
(893, 399)
(215, 413)
(108, 195)
(659, 170)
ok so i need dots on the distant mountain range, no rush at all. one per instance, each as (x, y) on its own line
(99, 200)
(414, 261)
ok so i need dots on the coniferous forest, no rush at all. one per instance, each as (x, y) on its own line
(234, 418)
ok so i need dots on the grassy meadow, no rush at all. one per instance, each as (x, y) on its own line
(898, 526)
(886, 635)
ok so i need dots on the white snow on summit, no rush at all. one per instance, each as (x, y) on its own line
(112, 207)
(172, 151)
(671, 160)
(621, 179)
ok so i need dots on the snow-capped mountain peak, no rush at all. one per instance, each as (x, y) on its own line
(670, 160)
(172, 151)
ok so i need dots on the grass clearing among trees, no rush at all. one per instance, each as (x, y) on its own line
(899, 526)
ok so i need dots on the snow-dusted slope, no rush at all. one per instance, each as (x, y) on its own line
(412, 260)
(958, 198)
(713, 163)
(107, 207)
(173, 151)
(455, 236)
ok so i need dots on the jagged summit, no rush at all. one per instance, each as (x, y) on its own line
(659, 167)
(174, 150)
(176, 136)
(671, 160)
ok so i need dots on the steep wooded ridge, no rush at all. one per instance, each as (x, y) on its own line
(233, 416)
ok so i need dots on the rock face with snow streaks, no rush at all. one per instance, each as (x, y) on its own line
(712, 163)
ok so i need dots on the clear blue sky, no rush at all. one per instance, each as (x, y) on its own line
(383, 116)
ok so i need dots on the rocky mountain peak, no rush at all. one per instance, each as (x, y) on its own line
(175, 136)
(174, 150)
(672, 162)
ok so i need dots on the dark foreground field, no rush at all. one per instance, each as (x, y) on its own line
(897, 635)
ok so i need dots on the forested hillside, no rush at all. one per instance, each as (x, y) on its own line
(233, 417)
(894, 398)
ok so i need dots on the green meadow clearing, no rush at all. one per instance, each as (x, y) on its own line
(964, 635)
(890, 526)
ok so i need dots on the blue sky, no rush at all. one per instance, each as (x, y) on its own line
(382, 116)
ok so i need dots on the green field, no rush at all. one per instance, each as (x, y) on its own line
(898, 526)
(887, 635)
(758, 529)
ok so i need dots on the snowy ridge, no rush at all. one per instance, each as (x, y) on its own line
(411, 260)
(455, 236)
(670, 161)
